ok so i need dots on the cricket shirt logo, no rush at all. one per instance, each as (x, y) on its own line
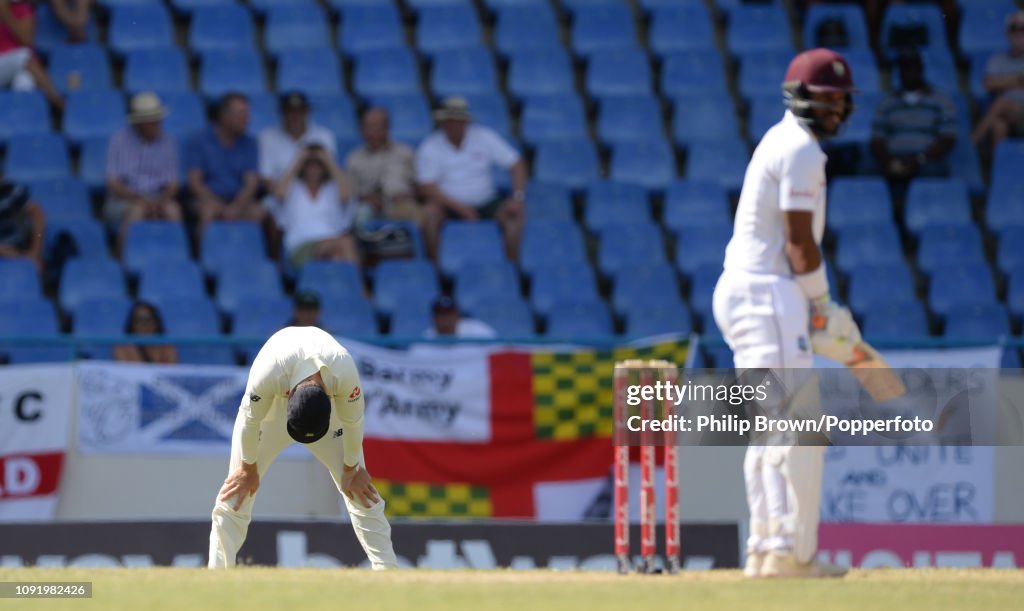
(254, 397)
(355, 394)
(338, 433)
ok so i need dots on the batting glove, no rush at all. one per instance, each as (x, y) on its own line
(834, 334)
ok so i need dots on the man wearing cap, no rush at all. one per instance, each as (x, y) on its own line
(142, 168)
(280, 143)
(453, 168)
(303, 387)
(1004, 81)
(448, 322)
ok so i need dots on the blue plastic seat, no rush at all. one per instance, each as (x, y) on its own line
(525, 26)
(79, 67)
(187, 7)
(699, 246)
(702, 283)
(628, 118)
(145, 26)
(611, 203)
(149, 241)
(1015, 292)
(596, 27)
(965, 164)
(551, 118)
(546, 242)
(559, 281)
(161, 69)
(579, 319)
(224, 241)
(573, 7)
(36, 318)
(462, 71)
(617, 72)
(681, 28)
(1005, 204)
(351, 317)
(186, 114)
(313, 70)
(440, 28)
(337, 112)
(223, 71)
(491, 109)
(92, 162)
(190, 317)
(895, 319)
(857, 200)
(88, 234)
(694, 73)
(509, 317)
(409, 116)
(629, 244)
(161, 280)
(765, 111)
(260, 318)
(388, 71)
(499, 6)
(465, 242)
(983, 27)
(103, 316)
(927, 15)
(762, 73)
(330, 279)
(645, 284)
(690, 203)
(546, 202)
(960, 284)
(937, 201)
(758, 29)
(221, 28)
(86, 278)
(852, 17)
(540, 71)
(650, 164)
(411, 318)
(370, 26)
(868, 243)
(476, 282)
(19, 280)
(36, 157)
(51, 33)
(23, 113)
(571, 163)
(261, 279)
(865, 72)
(1010, 255)
(401, 280)
(704, 119)
(942, 245)
(875, 283)
(978, 322)
(263, 112)
(295, 26)
(63, 199)
(644, 319)
(724, 162)
(93, 114)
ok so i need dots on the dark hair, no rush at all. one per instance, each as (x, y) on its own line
(309, 413)
(365, 110)
(152, 310)
(221, 104)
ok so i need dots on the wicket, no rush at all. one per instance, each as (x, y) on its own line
(645, 373)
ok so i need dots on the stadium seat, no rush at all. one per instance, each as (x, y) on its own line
(86, 278)
(852, 18)
(226, 240)
(937, 201)
(1015, 292)
(865, 70)
(610, 203)
(411, 318)
(974, 322)
(927, 16)
(1005, 204)
(92, 163)
(703, 119)
(628, 118)
(558, 281)
(552, 118)
(79, 68)
(259, 319)
(51, 33)
(104, 316)
(23, 113)
(190, 317)
(335, 111)
(686, 27)
(330, 279)
(571, 164)
(476, 282)
(295, 26)
(223, 71)
(368, 27)
(546, 242)
(465, 242)
(89, 237)
(352, 317)
(396, 281)
(645, 284)
(261, 279)
(510, 318)
(758, 29)
(868, 243)
(19, 280)
(31, 318)
(983, 31)
(698, 246)
(409, 116)
(491, 109)
(313, 70)
(162, 70)
(389, 71)
(597, 27)
(161, 280)
(93, 114)
(645, 320)
(463, 71)
(573, 6)
(874, 283)
(858, 200)
(36, 157)
(1010, 255)
(618, 72)
(941, 245)
(143, 26)
(525, 26)
(441, 28)
(547, 202)
(960, 284)
(187, 7)
(263, 112)
(63, 199)
(901, 320)
(939, 69)
(765, 111)
(966, 165)
(695, 73)
(690, 203)
(761, 73)
(224, 27)
(185, 114)
(540, 71)
(650, 164)
(725, 163)
(629, 244)
(702, 286)
(149, 241)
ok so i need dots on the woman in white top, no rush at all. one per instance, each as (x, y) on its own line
(315, 215)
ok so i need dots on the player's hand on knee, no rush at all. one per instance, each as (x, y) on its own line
(357, 485)
(242, 483)
(834, 333)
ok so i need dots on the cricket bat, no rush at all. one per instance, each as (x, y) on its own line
(874, 374)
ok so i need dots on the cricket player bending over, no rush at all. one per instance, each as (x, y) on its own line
(302, 386)
(773, 282)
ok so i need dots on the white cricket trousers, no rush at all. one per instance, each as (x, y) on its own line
(765, 320)
(230, 526)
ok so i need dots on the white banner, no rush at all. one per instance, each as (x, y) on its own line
(35, 413)
(918, 484)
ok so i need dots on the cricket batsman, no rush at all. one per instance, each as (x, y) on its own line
(772, 285)
(304, 387)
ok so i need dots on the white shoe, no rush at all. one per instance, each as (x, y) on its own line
(785, 564)
(755, 560)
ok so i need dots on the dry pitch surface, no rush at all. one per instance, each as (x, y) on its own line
(421, 590)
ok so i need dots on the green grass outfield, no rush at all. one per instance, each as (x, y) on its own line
(422, 590)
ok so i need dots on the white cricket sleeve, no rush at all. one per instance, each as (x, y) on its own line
(266, 384)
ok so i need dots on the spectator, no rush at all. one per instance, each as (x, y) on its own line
(279, 144)
(1004, 81)
(142, 168)
(74, 15)
(453, 167)
(382, 172)
(448, 322)
(315, 214)
(223, 163)
(307, 310)
(20, 69)
(22, 225)
(914, 128)
(144, 319)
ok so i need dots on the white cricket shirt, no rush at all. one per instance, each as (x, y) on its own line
(464, 173)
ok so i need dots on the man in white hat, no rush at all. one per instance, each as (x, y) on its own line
(142, 168)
